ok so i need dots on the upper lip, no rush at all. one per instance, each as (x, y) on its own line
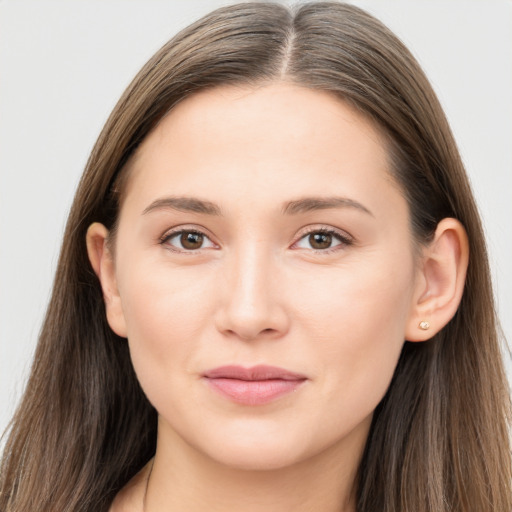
(260, 372)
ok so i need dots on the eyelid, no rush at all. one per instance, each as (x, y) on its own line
(343, 237)
(176, 230)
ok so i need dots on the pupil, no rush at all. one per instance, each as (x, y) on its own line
(191, 240)
(320, 240)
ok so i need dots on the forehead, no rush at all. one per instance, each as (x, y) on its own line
(250, 115)
(272, 137)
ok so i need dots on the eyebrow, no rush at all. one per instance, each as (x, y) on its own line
(303, 205)
(308, 204)
(184, 204)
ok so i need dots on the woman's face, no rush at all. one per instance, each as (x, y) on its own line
(261, 226)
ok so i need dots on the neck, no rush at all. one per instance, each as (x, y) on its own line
(183, 478)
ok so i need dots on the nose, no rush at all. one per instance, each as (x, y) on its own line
(251, 299)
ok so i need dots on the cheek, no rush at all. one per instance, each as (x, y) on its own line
(347, 302)
(358, 327)
(165, 314)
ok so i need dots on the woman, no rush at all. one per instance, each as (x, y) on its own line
(275, 205)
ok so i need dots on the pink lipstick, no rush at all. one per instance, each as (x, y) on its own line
(253, 386)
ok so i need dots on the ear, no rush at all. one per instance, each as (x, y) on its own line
(103, 265)
(440, 281)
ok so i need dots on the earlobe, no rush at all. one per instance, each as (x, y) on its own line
(440, 281)
(103, 265)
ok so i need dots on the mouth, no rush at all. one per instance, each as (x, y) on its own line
(257, 385)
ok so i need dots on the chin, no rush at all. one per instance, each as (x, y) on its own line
(256, 446)
(258, 457)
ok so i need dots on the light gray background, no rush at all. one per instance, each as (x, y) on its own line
(63, 65)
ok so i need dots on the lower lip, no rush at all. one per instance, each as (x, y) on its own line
(253, 392)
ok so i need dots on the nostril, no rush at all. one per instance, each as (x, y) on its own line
(250, 311)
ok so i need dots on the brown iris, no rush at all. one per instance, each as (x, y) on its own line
(191, 240)
(320, 240)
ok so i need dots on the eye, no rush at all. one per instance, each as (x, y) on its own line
(187, 240)
(322, 240)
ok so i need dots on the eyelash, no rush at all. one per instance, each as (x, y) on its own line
(171, 234)
(344, 240)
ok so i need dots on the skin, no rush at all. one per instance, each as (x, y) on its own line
(260, 290)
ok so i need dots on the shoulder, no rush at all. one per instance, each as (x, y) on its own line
(131, 497)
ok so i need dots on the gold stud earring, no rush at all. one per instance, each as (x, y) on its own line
(424, 325)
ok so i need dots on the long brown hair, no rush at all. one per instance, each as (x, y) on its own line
(439, 440)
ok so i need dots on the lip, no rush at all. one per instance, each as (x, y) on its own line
(256, 385)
